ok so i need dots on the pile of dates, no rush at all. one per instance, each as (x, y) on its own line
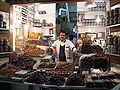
(36, 77)
(46, 65)
(25, 62)
(65, 66)
(75, 80)
(56, 80)
(9, 70)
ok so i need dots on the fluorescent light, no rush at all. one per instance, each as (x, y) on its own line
(98, 20)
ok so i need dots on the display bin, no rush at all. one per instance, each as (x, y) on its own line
(63, 87)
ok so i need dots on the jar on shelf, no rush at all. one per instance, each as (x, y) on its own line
(119, 50)
(1, 24)
(9, 49)
(4, 24)
(1, 48)
(109, 49)
(1, 42)
(118, 41)
(110, 39)
(1, 17)
(5, 42)
(5, 48)
(115, 40)
(115, 49)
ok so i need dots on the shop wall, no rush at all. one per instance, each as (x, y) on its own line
(4, 6)
(113, 2)
(91, 29)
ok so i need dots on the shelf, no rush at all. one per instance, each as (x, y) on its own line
(48, 27)
(2, 53)
(113, 26)
(4, 29)
(91, 26)
(117, 55)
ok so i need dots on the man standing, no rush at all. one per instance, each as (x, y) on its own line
(62, 49)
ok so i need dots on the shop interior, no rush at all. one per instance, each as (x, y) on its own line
(27, 31)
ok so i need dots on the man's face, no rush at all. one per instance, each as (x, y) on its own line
(62, 36)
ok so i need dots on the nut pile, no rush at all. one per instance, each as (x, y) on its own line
(24, 61)
(32, 50)
(9, 70)
(37, 42)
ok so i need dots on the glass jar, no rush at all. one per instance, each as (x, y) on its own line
(1, 42)
(110, 39)
(5, 42)
(4, 24)
(1, 48)
(115, 40)
(9, 49)
(1, 24)
(5, 48)
(115, 49)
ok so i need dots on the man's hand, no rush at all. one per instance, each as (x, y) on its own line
(76, 52)
(54, 52)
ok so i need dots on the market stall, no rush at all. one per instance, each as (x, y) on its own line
(32, 65)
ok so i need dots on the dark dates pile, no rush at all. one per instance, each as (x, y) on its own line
(25, 62)
(46, 65)
(9, 70)
(56, 80)
(66, 66)
(86, 62)
(98, 50)
(36, 77)
(94, 61)
(75, 80)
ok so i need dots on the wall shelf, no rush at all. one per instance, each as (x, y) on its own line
(3, 53)
(117, 55)
(4, 29)
(111, 26)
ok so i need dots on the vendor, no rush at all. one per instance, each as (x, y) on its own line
(62, 49)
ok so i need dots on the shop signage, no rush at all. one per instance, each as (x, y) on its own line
(35, 1)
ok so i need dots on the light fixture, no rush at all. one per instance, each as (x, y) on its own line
(98, 20)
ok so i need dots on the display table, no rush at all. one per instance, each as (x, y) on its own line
(7, 53)
(31, 86)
